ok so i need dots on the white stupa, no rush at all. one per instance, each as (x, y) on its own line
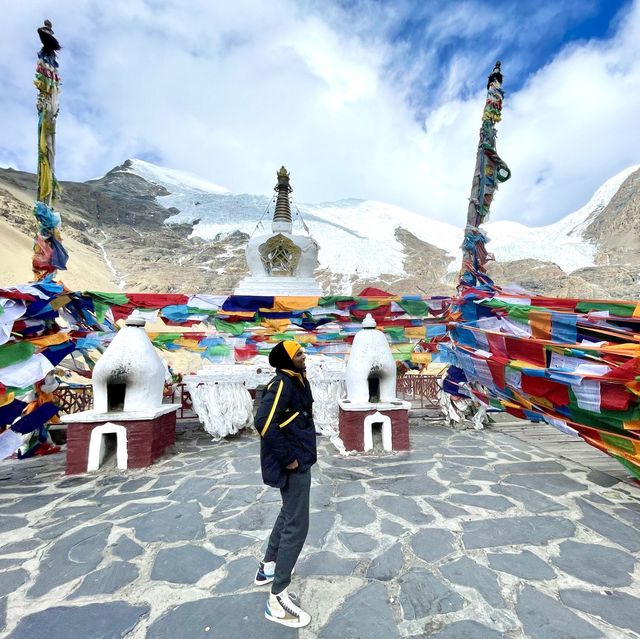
(281, 263)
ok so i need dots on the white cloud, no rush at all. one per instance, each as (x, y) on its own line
(571, 127)
(231, 91)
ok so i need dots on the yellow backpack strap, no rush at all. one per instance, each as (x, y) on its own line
(273, 409)
(290, 419)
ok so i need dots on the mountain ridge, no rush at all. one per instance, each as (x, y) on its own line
(156, 229)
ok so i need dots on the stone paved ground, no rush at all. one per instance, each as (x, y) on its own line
(472, 535)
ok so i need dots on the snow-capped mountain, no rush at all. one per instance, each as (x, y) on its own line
(358, 236)
(349, 232)
(562, 242)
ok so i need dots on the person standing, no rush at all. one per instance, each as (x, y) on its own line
(287, 451)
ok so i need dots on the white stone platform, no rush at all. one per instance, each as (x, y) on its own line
(294, 286)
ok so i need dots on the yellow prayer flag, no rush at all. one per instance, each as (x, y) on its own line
(49, 340)
(190, 344)
(292, 303)
(6, 398)
(540, 323)
(59, 302)
(278, 325)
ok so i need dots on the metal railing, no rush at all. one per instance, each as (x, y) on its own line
(73, 399)
(180, 395)
(424, 389)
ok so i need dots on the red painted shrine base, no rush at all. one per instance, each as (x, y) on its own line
(147, 440)
(351, 427)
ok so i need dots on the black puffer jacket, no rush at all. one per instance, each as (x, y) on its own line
(285, 422)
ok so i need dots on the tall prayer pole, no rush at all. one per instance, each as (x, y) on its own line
(48, 252)
(490, 170)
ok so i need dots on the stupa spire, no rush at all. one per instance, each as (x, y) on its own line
(281, 263)
(282, 213)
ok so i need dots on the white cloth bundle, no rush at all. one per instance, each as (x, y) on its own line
(223, 408)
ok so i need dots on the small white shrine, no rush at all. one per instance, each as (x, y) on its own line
(371, 395)
(128, 414)
(281, 263)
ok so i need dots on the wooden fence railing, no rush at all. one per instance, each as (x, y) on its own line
(424, 389)
(73, 399)
(180, 395)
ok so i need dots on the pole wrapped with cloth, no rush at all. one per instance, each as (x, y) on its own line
(490, 170)
(48, 252)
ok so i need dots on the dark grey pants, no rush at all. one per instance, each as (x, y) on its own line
(290, 530)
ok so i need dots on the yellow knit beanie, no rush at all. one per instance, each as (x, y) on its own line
(291, 347)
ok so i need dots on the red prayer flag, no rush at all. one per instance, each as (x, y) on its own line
(614, 397)
(556, 393)
(157, 300)
(371, 291)
(496, 366)
(527, 350)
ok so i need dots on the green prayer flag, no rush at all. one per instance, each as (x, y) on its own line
(112, 299)
(286, 335)
(414, 307)
(621, 309)
(494, 303)
(395, 332)
(15, 352)
(219, 350)
(402, 352)
(100, 310)
(233, 328)
(368, 303)
(163, 338)
(618, 442)
(330, 300)
(519, 313)
(19, 392)
(628, 465)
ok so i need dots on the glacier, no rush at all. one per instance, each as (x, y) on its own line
(358, 236)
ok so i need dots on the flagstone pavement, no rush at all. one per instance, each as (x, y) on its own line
(471, 535)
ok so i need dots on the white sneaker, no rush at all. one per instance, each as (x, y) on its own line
(282, 609)
(265, 573)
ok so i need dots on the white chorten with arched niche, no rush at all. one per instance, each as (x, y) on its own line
(281, 263)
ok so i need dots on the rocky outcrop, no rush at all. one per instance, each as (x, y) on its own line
(427, 267)
(616, 230)
(119, 217)
(15, 213)
(616, 227)
(543, 278)
(616, 281)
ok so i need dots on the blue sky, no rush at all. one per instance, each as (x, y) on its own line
(535, 32)
(377, 100)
